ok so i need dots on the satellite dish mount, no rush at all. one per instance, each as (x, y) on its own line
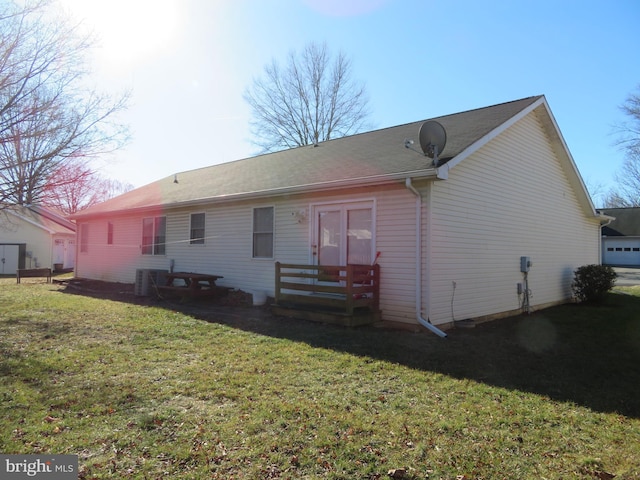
(433, 138)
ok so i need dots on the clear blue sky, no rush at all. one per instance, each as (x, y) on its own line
(188, 62)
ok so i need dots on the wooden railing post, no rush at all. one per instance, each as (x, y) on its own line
(376, 286)
(349, 298)
(277, 299)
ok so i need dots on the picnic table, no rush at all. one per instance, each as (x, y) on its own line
(33, 273)
(193, 284)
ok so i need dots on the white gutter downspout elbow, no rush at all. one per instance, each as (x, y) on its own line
(424, 322)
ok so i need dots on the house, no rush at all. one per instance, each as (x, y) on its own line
(35, 237)
(448, 234)
(621, 237)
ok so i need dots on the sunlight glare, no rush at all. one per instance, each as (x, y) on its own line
(128, 31)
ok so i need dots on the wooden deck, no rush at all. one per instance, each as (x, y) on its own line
(346, 295)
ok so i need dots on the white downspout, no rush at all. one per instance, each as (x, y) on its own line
(424, 322)
(602, 225)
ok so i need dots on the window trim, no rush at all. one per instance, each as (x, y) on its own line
(154, 246)
(198, 240)
(344, 205)
(272, 232)
(84, 237)
(110, 230)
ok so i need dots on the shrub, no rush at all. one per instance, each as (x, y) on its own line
(592, 282)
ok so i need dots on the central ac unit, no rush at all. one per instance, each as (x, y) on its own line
(147, 279)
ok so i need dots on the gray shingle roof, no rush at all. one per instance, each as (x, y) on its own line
(627, 222)
(44, 218)
(365, 157)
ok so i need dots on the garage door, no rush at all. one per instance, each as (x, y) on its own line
(9, 255)
(624, 251)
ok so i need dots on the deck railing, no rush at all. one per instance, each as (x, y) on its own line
(339, 287)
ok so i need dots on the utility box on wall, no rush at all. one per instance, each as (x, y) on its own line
(525, 264)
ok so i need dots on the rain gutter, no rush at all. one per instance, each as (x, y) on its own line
(424, 322)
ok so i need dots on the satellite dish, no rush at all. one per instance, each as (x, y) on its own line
(433, 138)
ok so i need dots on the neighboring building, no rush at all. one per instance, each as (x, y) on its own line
(450, 236)
(35, 237)
(621, 237)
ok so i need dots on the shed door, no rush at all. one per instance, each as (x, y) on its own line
(70, 254)
(58, 251)
(9, 255)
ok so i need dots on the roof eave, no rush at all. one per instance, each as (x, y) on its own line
(372, 180)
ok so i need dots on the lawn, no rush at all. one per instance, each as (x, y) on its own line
(160, 390)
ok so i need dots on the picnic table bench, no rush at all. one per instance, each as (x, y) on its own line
(33, 273)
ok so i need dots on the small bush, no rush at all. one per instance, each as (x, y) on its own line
(592, 282)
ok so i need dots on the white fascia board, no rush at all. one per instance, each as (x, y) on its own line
(573, 174)
(443, 171)
(573, 168)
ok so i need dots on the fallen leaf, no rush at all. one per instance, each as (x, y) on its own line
(397, 472)
(604, 475)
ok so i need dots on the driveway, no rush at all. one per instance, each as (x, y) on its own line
(627, 277)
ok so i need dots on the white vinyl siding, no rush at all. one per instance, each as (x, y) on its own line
(509, 199)
(228, 251)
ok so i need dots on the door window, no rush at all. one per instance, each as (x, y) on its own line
(344, 234)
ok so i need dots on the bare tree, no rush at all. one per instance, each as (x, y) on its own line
(627, 193)
(48, 116)
(75, 186)
(630, 130)
(311, 99)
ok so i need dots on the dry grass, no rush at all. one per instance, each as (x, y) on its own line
(167, 391)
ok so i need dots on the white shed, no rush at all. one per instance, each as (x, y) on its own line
(35, 237)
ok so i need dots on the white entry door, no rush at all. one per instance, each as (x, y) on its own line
(343, 234)
(58, 251)
(9, 255)
(70, 254)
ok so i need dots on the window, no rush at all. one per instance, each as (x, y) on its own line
(84, 237)
(636, 249)
(610, 249)
(196, 235)
(263, 232)
(627, 249)
(109, 233)
(154, 231)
